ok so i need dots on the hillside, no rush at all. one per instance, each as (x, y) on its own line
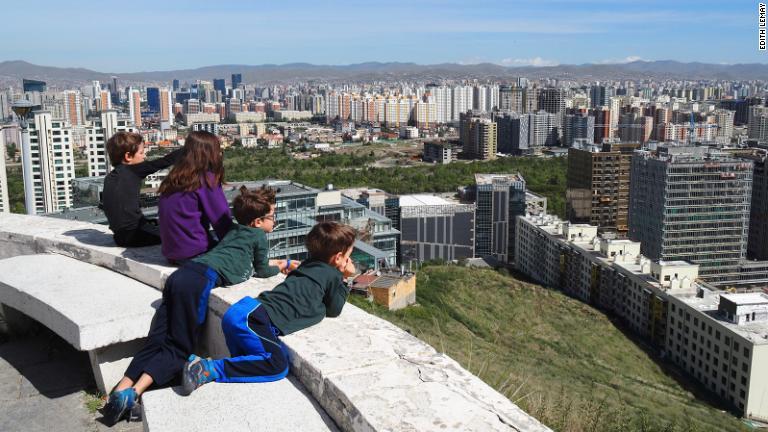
(559, 359)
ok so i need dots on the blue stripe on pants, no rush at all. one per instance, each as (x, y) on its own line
(257, 354)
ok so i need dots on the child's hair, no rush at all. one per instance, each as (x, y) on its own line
(329, 238)
(252, 204)
(201, 154)
(121, 144)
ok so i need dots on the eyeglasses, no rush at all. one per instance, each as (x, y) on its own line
(270, 217)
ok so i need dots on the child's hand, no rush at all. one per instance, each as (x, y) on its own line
(349, 268)
(286, 266)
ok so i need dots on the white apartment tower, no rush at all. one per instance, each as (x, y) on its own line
(4, 204)
(101, 130)
(53, 166)
(134, 106)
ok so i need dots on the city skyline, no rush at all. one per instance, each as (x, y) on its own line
(523, 33)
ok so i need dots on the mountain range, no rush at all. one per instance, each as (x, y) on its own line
(666, 69)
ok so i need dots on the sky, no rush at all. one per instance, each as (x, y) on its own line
(143, 35)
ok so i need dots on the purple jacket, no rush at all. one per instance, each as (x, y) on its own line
(184, 218)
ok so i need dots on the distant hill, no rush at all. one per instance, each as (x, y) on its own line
(562, 361)
(17, 69)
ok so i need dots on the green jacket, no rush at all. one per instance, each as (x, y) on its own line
(310, 293)
(242, 253)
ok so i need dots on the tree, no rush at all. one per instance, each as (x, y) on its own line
(11, 150)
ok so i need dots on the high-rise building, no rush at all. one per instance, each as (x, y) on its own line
(741, 108)
(506, 98)
(530, 99)
(5, 104)
(73, 107)
(478, 136)
(29, 85)
(237, 79)
(220, 85)
(614, 104)
(600, 95)
(499, 199)
(598, 185)
(634, 127)
(578, 126)
(758, 124)
(425, 114)
(724, 120)
(463, 100)
(543, 129)
(105, 101)
(153, 99)
(513, 133)
(757, 248)
(166, 106)
(134, 106)
(4, 203)
(602, 123)
(176, 86)
(100, 130)
(692, 204)
(552, 100)
(435, 228)
(443, 98)
(115, 91)
(52, 162)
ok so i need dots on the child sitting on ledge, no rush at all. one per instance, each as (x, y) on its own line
(120, 199)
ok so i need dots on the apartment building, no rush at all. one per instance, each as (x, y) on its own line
(721, 340)
(598, 185)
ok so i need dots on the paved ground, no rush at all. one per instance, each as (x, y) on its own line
(46, 385)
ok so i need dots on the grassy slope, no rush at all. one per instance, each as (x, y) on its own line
(559, 359)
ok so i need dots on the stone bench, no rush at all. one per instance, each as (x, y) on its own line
(94, 309)
(367, 374)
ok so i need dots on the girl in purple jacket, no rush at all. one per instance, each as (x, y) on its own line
(191, 200)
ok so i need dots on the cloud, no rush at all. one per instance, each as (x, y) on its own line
(535, 61)
(628, 59)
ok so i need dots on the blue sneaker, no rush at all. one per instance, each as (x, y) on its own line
(119, 405)
(197, 371)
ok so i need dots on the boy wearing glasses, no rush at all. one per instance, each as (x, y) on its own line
(242, 253)
(251, 326)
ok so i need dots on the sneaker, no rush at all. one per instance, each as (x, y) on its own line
(134, 415)
(197, 371)
(119, 405)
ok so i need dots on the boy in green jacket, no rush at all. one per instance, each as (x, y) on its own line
(313, 291)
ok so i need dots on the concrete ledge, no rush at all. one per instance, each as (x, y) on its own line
(277, 406)
(92, 308)
(90, 243)
(77, 300)
(367, 374)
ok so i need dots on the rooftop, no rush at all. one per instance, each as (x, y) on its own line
(756, 332)
(423, 200)
(747, 298)
(487, 179)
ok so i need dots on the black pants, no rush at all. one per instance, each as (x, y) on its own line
(146, 234)
(176, 325)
